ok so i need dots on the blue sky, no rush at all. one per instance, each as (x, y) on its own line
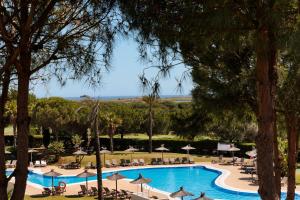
(121, 80)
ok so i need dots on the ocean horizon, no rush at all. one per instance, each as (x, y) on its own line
(129, 97)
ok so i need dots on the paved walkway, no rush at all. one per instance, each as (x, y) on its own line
(233, 180)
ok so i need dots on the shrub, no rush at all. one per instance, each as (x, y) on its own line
(56, 147)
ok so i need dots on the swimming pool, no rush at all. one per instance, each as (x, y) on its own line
(194, 179)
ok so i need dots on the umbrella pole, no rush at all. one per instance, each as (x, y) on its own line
(52, 185)
(31, 156)
(162, 155)
(188, 152)
(142, 188)
(86, 183)
(131, 158)
(116, 189)
(104, 158)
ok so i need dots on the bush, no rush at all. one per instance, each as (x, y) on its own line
(203, 147)
(56, 147)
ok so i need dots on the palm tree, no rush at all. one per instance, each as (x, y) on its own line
(112, 122)
(94, 116)
(150, 100)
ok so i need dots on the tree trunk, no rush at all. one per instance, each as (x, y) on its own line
(111, 137)
(22, 133)
(265, 101)
(291, 124)
(15, 131)
(150, 128)
(3, 100)
(98, 159)
(46, 136)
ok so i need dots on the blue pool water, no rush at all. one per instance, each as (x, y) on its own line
(193, 179)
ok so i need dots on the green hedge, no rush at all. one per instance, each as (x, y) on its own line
(203, 147)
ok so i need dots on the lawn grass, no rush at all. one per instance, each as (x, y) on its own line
(123, 155)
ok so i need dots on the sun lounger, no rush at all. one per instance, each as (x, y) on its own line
(94, 191)
(43, 163)
(284, 181)
(107, 164)
(177, 161)
(37, 163)
(135, 162)
(166, 161)
(240, 162)
(8, 163)
(114, 162)
(172, 160)
(159, 161)
(184, 160)
(220, 160)
(141, 161)
(84, 191)
(153, 161)
(47, 191)
(125, 194)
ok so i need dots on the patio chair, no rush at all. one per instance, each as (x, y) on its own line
(159, 161)
(13, 164)
(184, 160)
(107, 164)
(47, 191)
(191, 160)
(84, 191)
(123, 163)
(172, 160)
(114, 162)
(177, 161)
(141, 161)
(135, 162)
(43, 163)
(166, 161)
(8, 163)
(153, 161)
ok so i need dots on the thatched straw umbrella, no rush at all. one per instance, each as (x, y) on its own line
(141, 180)
(188, 148)
(85, 175)
(181, 193)
(115, 177)
(162, 148)
(132, 150)
(52, 174)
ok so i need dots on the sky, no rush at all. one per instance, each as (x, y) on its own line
(121, 80)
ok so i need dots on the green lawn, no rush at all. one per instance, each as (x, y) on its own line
(122, 155)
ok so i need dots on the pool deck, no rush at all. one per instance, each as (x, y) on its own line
(231, 178)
